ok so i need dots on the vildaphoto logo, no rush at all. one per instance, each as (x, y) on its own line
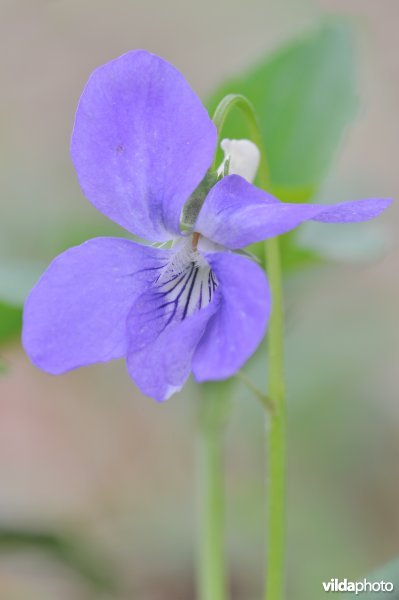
(357, 587)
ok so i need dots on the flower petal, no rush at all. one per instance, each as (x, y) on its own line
(141, 143)
(239, 324)
(161, 349)
(76, 314)
(352, 212)
(236, 213)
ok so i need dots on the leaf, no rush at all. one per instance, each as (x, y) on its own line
(16, 279)
(388, 573)
(304, 96)
(356, 243)
(77, 557)
(10, 321)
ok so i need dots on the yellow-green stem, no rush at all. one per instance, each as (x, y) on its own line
(274, 585)
(276, 450)
(211, 571)
(275, 565)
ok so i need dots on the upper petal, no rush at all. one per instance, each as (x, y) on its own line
(236, 213)
(238, 326)
(76, 314)
(141, 143)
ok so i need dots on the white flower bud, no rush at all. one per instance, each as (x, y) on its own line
(243, 157)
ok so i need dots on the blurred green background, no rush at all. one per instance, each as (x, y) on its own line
(97, 483)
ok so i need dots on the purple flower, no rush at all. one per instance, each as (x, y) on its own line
(141, 145)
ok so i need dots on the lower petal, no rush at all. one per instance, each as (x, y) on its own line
(235, 331)
(160, 351)
(76, 314)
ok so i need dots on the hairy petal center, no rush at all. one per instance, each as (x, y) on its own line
(186, 284)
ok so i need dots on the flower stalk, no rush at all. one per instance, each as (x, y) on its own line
(276, 451)
(274, 583)
(274, 586)
(211, 570)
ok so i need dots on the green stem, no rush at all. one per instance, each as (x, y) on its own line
(276, 451)
(211, 559)
(238, 101)
(274, 585)
(276, 441)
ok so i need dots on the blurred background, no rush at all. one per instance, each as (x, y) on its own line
(97, 482)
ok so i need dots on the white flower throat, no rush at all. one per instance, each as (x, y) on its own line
(187, 283)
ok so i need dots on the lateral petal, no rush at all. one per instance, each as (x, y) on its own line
(76, 314)
(236, 213)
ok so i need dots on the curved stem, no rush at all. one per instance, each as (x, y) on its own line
(274, 585)
(276, 452)
(238, 101)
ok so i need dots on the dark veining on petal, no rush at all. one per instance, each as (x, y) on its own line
(190, 293)
(210, 287)
(185, 285)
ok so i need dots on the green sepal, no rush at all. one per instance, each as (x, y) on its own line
(193, 205)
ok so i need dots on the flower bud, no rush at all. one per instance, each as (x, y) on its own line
(242, 156)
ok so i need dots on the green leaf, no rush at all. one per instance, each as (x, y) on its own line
(16, 279)
(349, 242)
(293, 256)
(10, 321)
(388, 573)
(304, 96)
(72, 553)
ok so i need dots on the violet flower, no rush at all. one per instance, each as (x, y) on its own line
(141, 145)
